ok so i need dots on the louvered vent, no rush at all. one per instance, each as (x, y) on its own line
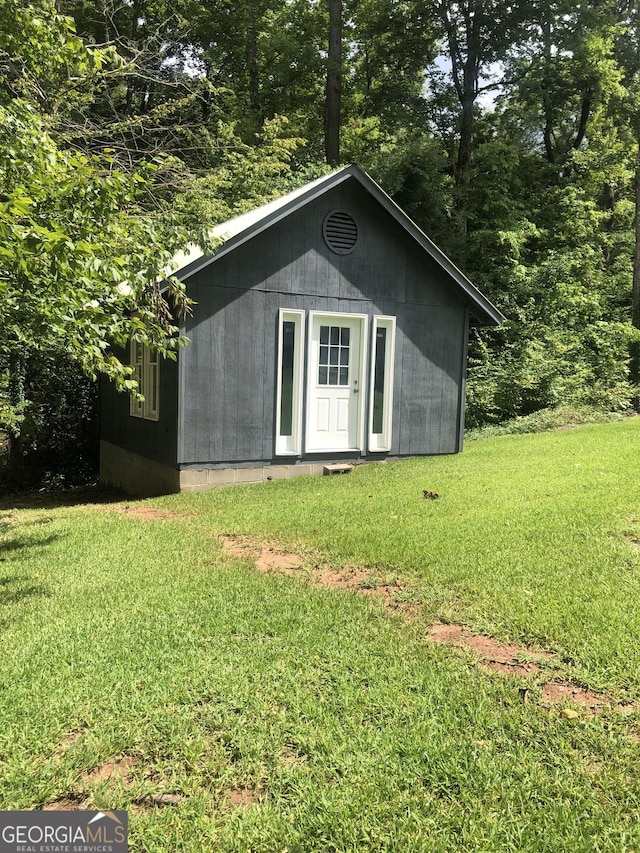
(340, 232)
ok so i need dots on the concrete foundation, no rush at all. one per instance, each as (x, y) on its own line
(135, 474)
(203, 479)
(144, 477)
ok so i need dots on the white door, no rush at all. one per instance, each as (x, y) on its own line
(335, 392)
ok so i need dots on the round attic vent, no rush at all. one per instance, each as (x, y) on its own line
(340, 232)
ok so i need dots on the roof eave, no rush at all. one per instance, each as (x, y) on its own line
(484, 312)
(332, 180)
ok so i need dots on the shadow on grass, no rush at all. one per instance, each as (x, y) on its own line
(10, 594)
(8, 523)
(18, 544)
(62, 498)
(13, 591)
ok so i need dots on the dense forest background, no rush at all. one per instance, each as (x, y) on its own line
(509, 131)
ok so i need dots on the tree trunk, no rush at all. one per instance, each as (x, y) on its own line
(585, 113)
(334, 84)
(549, 149)
(16, 461)
(465, 54)
(634, 365)
(136, 11)
(463, 161)
(16, 399)
(549, 142)
(253, 66)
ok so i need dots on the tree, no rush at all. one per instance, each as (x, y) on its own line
(478, 34)
(565, 72)
(334, 84)
(552, 246)
(628, 122)
(81, 265)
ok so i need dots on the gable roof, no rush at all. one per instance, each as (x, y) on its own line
(238, 230)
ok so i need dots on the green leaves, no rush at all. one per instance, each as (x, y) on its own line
(41, 58)
(78, 271)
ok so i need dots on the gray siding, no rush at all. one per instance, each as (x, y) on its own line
(155, 440)
(228, 372)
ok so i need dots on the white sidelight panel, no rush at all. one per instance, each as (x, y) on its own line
(381, 384)
(289, 383)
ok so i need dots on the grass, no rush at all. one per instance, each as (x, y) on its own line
(558, 417)
(292, 717)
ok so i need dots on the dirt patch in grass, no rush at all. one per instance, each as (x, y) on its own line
(568, 691)
(65, 804)
(273, 558)
(345, 578)
(118, 770)
(394, 596)
(241, 798)
(149, 513)
(121, 771)
(268, 557)
(115, 769)
(507, 658)
(512, 659)
(565, 691)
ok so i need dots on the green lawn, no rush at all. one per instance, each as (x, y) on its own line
(290, 717)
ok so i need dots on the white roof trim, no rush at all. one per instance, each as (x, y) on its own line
(225, 231)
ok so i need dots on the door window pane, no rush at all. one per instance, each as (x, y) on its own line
(333, 356)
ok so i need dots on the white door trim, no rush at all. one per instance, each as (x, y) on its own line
(290, 444)
(360, 395)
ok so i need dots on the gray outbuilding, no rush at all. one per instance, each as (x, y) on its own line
(327, 329)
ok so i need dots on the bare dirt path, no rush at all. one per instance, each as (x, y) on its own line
(507, 659)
